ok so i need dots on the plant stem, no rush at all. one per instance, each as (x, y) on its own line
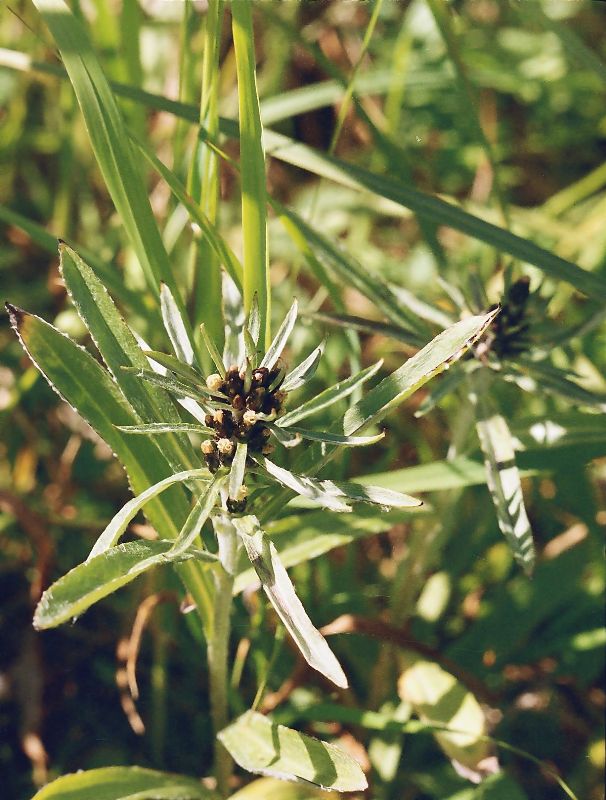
(218, 647)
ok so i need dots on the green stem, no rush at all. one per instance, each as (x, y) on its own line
(218, 647)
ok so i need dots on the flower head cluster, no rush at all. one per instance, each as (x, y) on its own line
(254, 398)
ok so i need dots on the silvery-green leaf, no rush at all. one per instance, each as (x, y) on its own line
(120, 521)
(307, 487)
(165, 427)
(189, 404)
(329, 396)
(197, 517)
(260, 746)
(175, 327)
(238, 466)
(334, 438)
(306, 370)
(277, 346)
(285, 436)
(254, 320)
(98, 577)
(212, 351)
(233, 313)
(503, 478)
(171, 384)
(174, 365)
(371, 494)
(281, 593)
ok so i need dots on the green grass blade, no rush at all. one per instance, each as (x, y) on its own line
(428, 206)
(215, 241)
(109, 140)
(252, 161)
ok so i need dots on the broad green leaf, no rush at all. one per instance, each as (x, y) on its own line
(329, 396)
(281, 593)
(438, 697)
(119, 523)
(215, 241)
(304, 372)
(260, 746)
(119, 348)
(109, 140)
(124, 783)
(274, 351)
(273, 788)
(175, 327)
(252, 164)
(102, 575)
(197, 517)
(433, 359)
(87, 387)
(503, 477)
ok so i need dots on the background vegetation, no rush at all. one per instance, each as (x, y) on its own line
(497, 107)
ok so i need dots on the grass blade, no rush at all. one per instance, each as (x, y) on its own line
(109, 140)
(252, 161)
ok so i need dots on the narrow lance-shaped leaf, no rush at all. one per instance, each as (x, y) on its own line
(175, 327)
(254, 320)
(102, 575)
(188, 403)
(197, 517)
(119, 523)
(304, 372)
(174, 365)
(302, 485)
(238, 466)
(329, 396)
(212, 350)
(154, 428)
(119, 348)
(281, 593)
(233, 313)
(433, 359)
(260, 746)
(274, 351)
(334, 438)
(124, 783)
(171, 384)
(503, 477)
